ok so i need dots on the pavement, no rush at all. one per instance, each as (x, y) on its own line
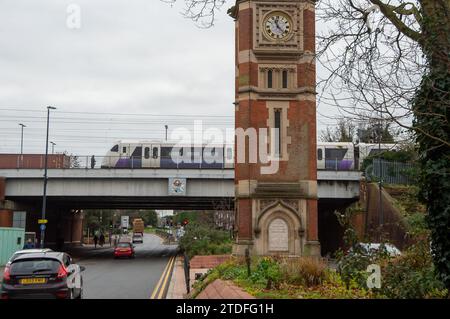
(220, 289)
(109, 278)
(177, 288)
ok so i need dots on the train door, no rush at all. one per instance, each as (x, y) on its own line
(124, 150)
(356, 155)
(155, 155)
(229, 156)
(146, 155)
(320, 157)
(124, 156)
(136, 156)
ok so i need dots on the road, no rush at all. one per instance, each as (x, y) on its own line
(109, 278)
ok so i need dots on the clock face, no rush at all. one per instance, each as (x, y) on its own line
(277, 25)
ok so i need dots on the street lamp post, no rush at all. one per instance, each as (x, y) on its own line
(44, 197)
(21, 144)
(53, 147)
(166, 126)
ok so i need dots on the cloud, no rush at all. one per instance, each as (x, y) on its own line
(140, 56)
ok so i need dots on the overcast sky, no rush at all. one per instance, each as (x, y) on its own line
(139, 57)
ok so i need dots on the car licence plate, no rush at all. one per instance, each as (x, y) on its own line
(123, 250)
(32, 281)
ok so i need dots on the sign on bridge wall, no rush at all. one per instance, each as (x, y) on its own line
(177, 186)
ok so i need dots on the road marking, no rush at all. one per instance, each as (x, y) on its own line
(155, 290)
(165, 282)
(162, 276)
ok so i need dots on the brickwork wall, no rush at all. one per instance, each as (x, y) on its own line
(252, 112)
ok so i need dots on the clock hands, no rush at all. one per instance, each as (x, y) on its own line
(278, 25)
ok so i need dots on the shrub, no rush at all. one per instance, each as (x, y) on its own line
(412, 275)
(200, 239)
(304, 271)
(267, 272)
(334, 287)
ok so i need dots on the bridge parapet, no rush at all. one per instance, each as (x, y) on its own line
(322, 175)
(140, 184)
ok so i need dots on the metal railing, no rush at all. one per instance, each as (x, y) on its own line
(62, 161)
(187, 272)
(391, 172)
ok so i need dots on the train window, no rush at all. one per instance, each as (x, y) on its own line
(319, 154)
(155, 152)
(196, 154)
(335, 153)
(165, 152)
(137, 152)
(208, 151)
(229, 153)
(147, 152)
(115, 148)
(124, 149)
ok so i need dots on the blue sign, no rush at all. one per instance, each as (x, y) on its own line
(42, 226)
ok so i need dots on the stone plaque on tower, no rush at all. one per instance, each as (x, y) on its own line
(278, 236)
(275, 119)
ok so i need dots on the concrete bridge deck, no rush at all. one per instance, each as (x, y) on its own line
(147, 188)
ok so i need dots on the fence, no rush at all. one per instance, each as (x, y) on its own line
(34, 161)
(11, 240)
(392, 172)
(62, 161)
(187, 272)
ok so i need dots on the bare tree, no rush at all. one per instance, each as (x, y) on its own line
(390, 60)
(202, 12)
(224, 214)
(375, 58)
(345, 131)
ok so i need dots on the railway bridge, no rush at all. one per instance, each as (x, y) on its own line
(71, 190)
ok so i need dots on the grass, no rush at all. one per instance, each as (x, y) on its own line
(299, 278)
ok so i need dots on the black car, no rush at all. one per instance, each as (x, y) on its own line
(43, 276)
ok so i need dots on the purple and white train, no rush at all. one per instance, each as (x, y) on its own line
(158, 154)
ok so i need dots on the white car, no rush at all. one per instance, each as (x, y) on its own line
(375, 247)
(138, 238)
(26, 251)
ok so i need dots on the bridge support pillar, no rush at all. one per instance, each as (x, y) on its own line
(67, 229)
(6, 216)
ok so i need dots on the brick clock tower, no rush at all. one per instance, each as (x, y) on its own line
(276, 209)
